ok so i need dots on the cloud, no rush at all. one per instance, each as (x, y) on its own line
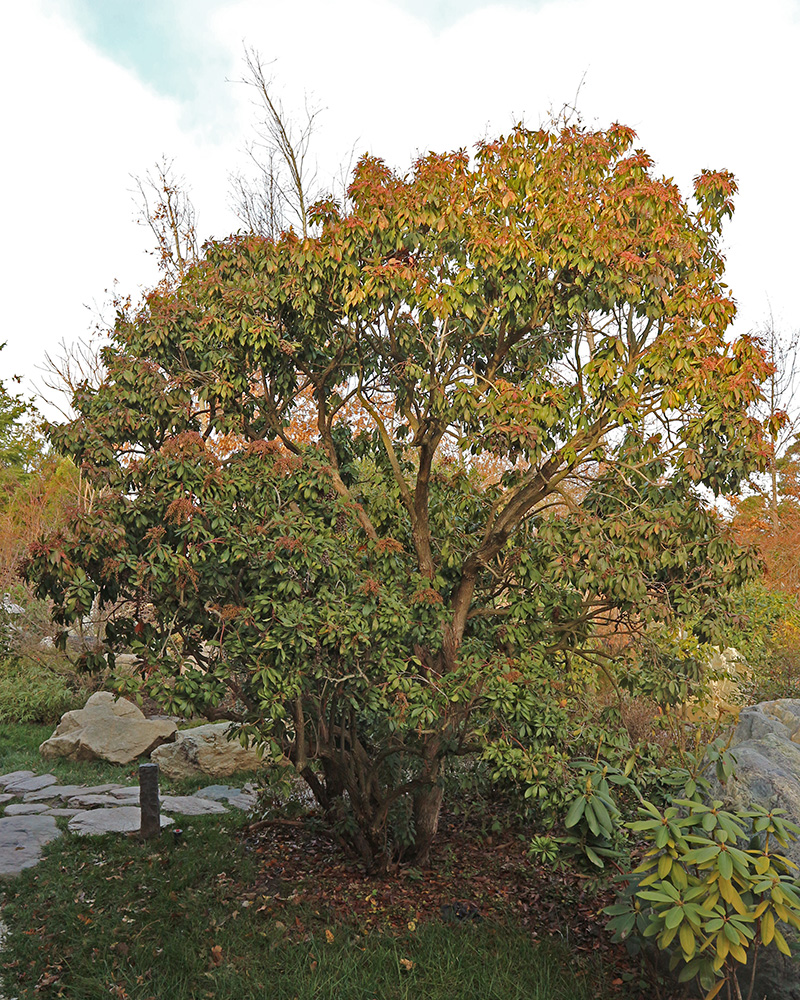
(169, 46)
(81, 125)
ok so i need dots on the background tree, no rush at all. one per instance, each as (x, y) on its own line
(36, 489)
(767, 514)
(20, 442)
(284, 186)
(779, 410)
(371, 604)
(167, 210)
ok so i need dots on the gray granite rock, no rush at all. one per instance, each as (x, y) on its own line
(122, 819)
(780, 717)
(766, 748)
(25, 809)
(21, 841)
(6, 798)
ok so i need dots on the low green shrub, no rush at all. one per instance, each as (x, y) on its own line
(31, 691)
(711, 889)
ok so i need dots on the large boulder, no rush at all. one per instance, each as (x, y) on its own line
(781, 718)
(205, 750)
(111, 728)
(766, 746)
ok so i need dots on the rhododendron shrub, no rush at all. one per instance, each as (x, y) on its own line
(289, 511)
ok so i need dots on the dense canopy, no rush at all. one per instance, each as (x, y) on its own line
(382, 487)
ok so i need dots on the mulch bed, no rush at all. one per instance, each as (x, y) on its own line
(472, 877)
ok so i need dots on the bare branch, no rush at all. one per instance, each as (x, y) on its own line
(283, 188)
(166, 208)
(66, 371)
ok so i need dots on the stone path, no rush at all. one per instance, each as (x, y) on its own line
(31, 804)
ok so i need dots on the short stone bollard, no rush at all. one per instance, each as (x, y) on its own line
(148, 801)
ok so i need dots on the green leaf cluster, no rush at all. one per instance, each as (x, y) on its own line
(712, 888)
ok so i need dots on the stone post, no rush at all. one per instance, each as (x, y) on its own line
(148, 801)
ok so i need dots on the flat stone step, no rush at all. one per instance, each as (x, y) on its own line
(122, 819)
(123, 794)
(101, 789)
(25, 809)
(244, 802)
(21, 785)
(89, 801)
(217, 792)
(21, 841)
(6, 779)
(191, 805)
(59, 792)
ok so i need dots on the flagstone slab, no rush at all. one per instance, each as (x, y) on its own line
(62, 811)
(243, 802)
(6, 797)
(217, 792)
(21, 841)
(57, 792)
(92, 801)
(191, 805)
(122, 819)
(100, 789)
(21, 785)
(121, 794)
(25, 809)
(6, 779)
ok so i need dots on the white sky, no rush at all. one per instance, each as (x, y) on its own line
(96, 90)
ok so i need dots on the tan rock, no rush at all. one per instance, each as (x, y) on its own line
(111, 728)
(725, 694)
(205, 750)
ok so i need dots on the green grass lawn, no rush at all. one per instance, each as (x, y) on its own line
(111, 917)
(198, 917)
(19, 751)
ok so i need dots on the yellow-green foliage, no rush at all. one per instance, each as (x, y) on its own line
(711, 888)
(32, 692)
